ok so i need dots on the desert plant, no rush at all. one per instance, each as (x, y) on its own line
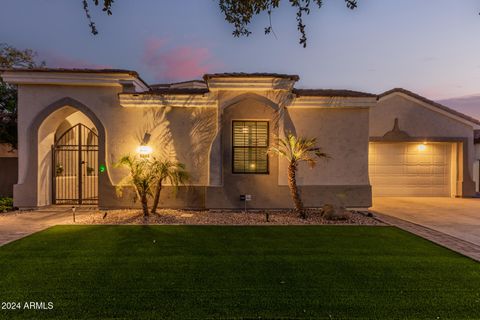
(296, 150)
(167, 171)
(141, 176)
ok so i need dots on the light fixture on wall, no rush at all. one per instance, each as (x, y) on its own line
(144, 150)
(422, 147)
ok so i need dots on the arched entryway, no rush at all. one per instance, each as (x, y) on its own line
(75, 166)
(36, 169)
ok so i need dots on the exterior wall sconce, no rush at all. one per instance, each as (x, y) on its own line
(422, 147)
(144, 150)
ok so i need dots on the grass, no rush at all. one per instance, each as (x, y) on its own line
(328, 272)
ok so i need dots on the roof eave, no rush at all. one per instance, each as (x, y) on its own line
(454, 113)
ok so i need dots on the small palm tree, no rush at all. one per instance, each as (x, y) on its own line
(169, 171)
(295, 150)
(140, 176)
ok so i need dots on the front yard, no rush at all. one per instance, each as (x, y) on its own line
(158, 272)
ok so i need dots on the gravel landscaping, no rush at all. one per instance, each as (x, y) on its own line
(217, 217)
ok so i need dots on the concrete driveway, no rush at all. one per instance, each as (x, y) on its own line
(458, 217)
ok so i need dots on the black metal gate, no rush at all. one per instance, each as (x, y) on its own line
(75, 166)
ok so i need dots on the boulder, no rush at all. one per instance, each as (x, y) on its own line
(331, 212)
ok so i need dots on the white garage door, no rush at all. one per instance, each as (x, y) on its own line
(410, 169)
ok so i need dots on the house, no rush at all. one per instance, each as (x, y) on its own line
(74, 124)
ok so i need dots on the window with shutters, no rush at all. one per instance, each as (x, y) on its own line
(249, 147)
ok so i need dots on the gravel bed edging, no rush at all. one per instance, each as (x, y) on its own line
(218, 217)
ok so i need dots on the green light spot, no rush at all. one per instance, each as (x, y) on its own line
(102, 168)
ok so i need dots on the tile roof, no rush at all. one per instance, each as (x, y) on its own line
(73, 70)
(430, 102)
(250, 75)
(331, 93)
(77, 70)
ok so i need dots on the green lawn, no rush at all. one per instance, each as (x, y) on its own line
(218, 272)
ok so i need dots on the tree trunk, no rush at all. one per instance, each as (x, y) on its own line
(292, 184)
(156, 199)
(144, 200)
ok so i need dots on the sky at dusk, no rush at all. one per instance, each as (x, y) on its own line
(431, 47)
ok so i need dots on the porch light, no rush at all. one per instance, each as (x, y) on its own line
(422, 147)
(144, 151)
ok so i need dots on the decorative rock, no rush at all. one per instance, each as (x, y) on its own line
(330, 212)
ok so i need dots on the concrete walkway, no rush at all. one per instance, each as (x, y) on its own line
(19, 224)
(458, 217)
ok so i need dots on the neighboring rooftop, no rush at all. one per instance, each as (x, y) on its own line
(207, 76)
(190, 84)
(168, 90)
(430, 102)
(331, 93)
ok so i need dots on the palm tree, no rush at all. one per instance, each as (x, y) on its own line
(140, 175)
(168, 171)
(295, 150)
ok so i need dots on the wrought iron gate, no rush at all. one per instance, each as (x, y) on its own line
(75, 166)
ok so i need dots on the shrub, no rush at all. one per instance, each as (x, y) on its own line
(6, 204)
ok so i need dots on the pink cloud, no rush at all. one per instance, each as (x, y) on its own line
(54, 60)
(178, 63)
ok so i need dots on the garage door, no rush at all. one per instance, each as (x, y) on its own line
(410, 169)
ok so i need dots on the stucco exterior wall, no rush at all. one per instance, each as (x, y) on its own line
(476, 167)
(343, 179)
(182, 132)
(343, 135)
(422, 124)
(198, 136)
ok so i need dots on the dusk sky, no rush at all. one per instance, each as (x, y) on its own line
(431, 47)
